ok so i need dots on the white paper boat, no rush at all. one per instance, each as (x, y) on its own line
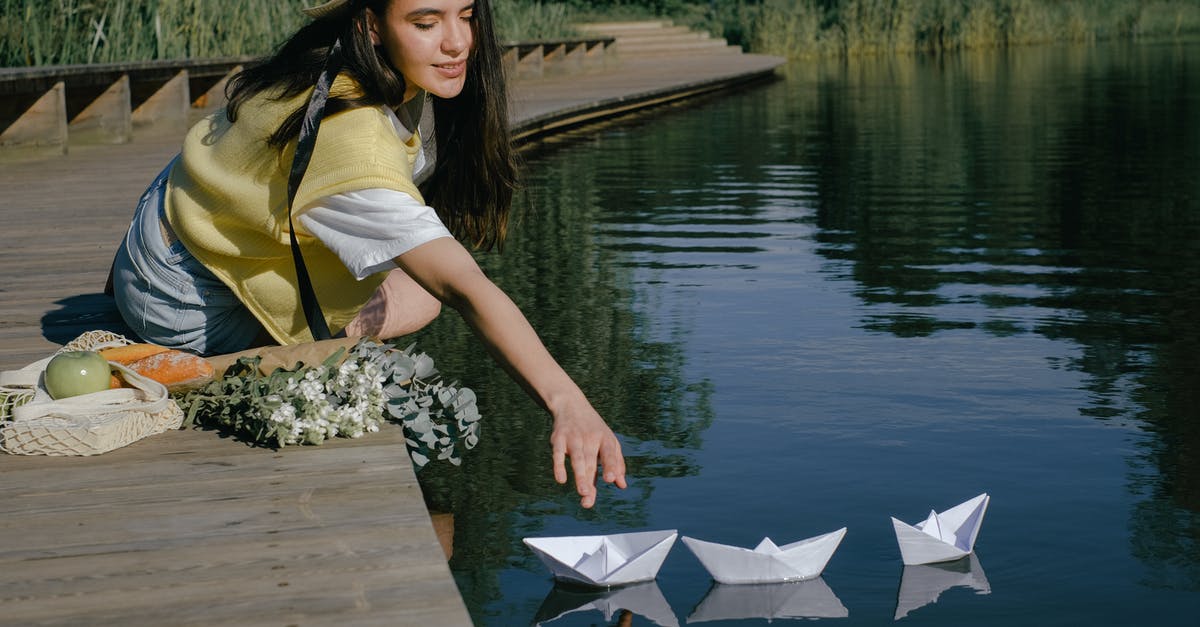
(643, 599)
(766, 563)
(944, 536)
(795, 599)
(611, 560)
(922, 585)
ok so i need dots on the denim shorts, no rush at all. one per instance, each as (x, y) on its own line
(168, 297)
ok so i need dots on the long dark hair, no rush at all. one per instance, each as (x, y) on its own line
(472, 185)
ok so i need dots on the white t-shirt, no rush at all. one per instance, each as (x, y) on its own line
(369, 228)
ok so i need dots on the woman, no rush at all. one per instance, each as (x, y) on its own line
(228, 239)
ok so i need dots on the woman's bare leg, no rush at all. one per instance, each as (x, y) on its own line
(399, 307)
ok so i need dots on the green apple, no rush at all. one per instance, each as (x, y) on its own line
(72, 373)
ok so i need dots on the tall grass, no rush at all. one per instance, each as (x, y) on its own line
(529, 20)
(55, 32)
(50, 32)
(58, 32)
(810, 28)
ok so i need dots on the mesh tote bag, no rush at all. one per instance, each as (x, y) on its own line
(32, 423)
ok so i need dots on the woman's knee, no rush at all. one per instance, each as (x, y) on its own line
(400, 306)
(424, 311)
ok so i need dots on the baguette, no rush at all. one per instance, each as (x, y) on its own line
(130, 353)
(177, 370)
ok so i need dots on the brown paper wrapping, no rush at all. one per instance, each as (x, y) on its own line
(287, 357)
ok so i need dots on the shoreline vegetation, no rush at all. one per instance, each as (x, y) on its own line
(37, 32)
(837, 28)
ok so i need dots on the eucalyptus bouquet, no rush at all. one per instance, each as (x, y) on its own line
(340, 397)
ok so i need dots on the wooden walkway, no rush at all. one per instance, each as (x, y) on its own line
(187, 527)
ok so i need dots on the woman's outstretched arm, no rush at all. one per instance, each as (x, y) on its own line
(446, 270)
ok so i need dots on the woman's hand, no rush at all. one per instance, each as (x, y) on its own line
(581, 434)
(447, 271)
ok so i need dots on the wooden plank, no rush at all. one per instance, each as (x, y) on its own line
(188, 527)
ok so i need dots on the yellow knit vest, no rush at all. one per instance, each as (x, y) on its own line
(227, 201)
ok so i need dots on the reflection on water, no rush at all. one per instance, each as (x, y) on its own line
(1048, 197)
(923, 584)
(579, 296)
(797, 599)
(876, 284)
(643, 599)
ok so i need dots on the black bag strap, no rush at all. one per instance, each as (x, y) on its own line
(304, 150)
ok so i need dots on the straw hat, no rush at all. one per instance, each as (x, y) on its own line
(327, 9)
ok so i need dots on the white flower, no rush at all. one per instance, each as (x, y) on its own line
(309, 404)
(285, 413)
(311, 390)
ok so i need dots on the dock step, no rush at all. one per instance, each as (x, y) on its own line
(46, 110)
(615, 28)
(658, 37)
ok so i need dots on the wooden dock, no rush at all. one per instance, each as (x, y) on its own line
(187, 527)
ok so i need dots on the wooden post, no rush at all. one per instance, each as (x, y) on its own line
(529, 62)
(593, 55)
(42, 129)
(214, 98)
(612, 55)
(573, 57)
(108, 119)
(554, 59)
(168, 108)
(509, 61)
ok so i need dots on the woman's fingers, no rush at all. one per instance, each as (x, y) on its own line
(587, 451)
(559, 454)
(584, 465)
(613, 462)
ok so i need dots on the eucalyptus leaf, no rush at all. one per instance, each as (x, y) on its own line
(341, 398)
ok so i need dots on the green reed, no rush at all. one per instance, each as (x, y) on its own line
(56, 32)
(59, 32)
(808, 28)
(528, 20)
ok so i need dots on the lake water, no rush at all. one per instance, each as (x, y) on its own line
(874, 288)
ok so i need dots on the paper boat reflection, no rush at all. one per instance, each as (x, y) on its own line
(766, 563)
(795, 599)
(609, 560)
(922, 585)
(643, 599)
(944, 536)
